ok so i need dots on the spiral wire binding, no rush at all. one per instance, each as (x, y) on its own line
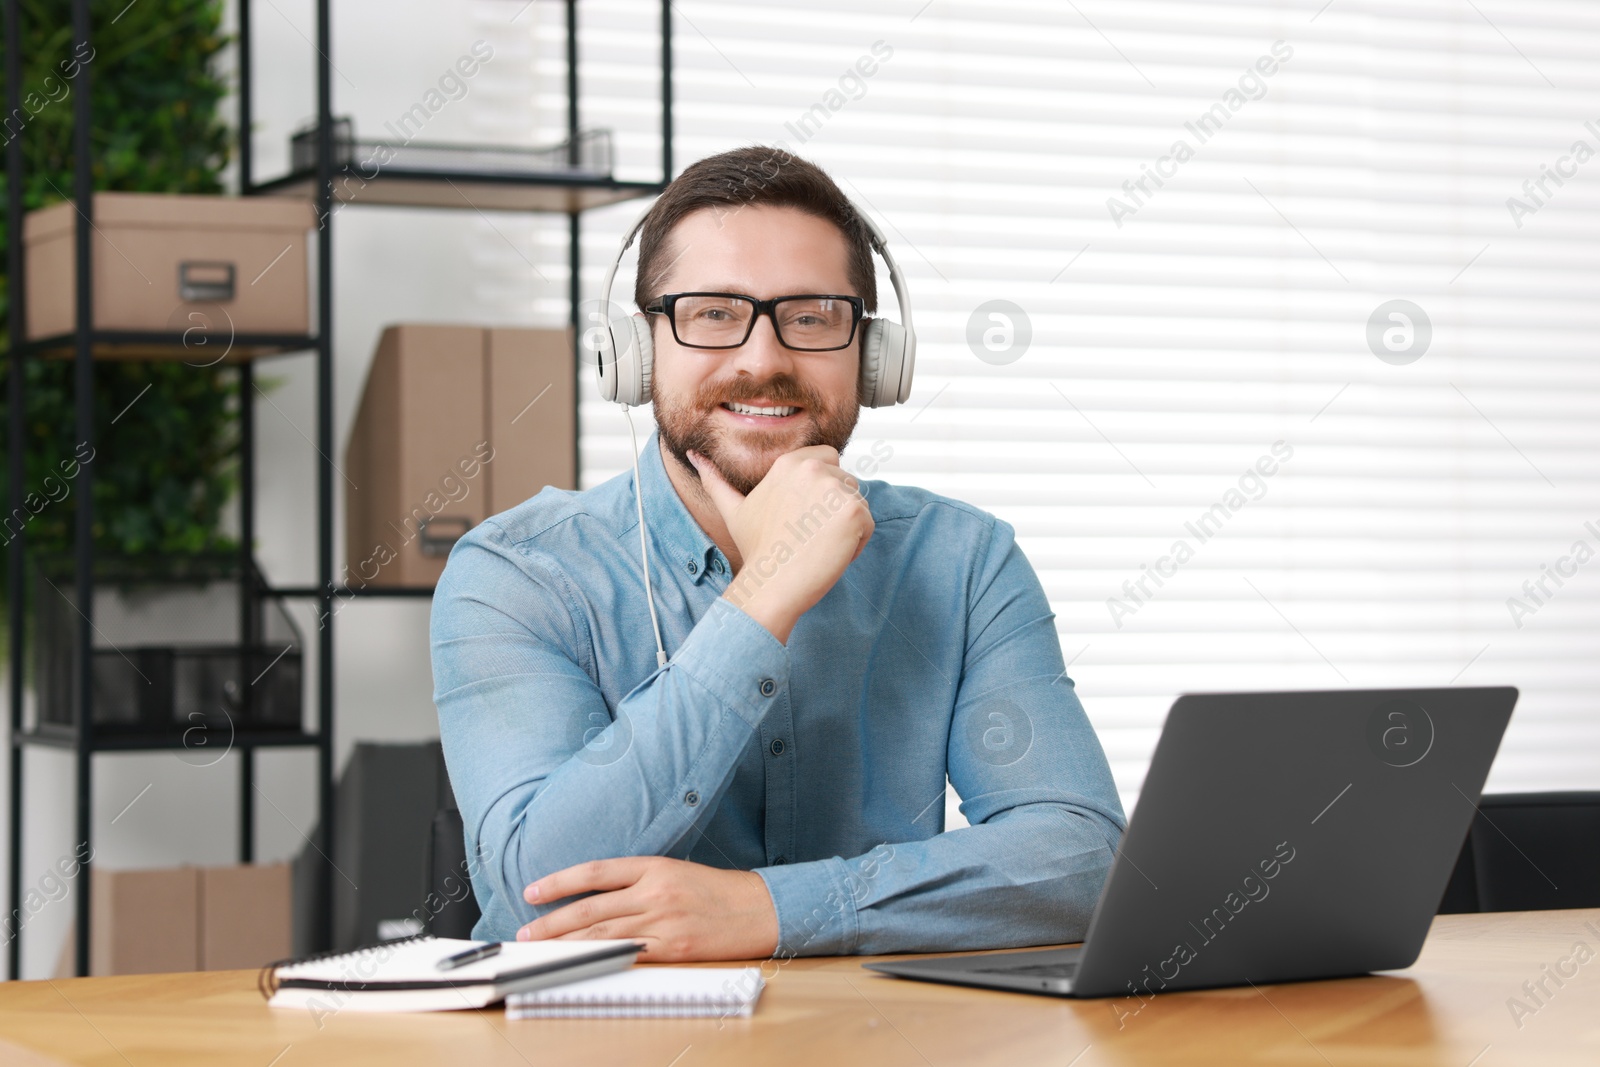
(267, 979)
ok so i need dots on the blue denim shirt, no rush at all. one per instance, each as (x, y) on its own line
(820, 765)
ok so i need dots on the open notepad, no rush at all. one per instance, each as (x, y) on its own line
(404, 975)
(646, 991)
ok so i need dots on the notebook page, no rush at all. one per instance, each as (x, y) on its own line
(725, 986)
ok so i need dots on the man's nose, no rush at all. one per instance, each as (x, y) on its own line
(763, 355)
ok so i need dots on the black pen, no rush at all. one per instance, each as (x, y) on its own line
(471, 955)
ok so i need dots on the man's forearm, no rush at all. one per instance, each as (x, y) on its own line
(639, 787)
(1030, 877)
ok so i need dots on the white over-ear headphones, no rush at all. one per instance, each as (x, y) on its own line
(626, 354)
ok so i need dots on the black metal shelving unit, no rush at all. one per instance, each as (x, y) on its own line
(469, 190)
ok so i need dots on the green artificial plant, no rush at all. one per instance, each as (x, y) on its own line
(164, 459)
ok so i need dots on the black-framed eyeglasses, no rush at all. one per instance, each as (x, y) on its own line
(808, 322)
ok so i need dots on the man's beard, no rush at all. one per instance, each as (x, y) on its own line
(688, 425)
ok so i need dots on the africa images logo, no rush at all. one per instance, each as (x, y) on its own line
(1400, 733)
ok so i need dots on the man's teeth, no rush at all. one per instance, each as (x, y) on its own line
(746, 409)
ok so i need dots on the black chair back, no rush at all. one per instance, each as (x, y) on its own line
(1529, 852)
(453, 910)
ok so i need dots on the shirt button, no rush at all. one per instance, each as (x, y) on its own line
(768, 687)
(777, 746)
(779, 861)
(691, 798)
(716, 566)
(693, 567)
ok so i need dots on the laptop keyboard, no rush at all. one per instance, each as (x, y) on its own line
(1034, 970)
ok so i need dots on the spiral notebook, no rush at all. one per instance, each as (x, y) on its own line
(646, 992)
(404, 975)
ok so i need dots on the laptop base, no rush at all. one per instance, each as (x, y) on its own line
(1046, 971)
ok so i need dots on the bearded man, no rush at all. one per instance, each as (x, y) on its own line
(839, 649)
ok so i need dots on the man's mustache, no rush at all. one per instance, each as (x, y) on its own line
(783, 390)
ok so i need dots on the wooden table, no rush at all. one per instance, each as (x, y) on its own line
(1453, 1009)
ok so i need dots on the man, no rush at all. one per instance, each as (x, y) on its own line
(836, 649)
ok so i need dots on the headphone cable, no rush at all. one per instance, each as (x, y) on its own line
(644, 547)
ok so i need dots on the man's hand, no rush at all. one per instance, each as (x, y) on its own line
(679, 910)
(796, 533)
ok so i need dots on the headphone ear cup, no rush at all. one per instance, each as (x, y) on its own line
(908, 361)
(871, 359)
(625, 361)
(624, 370)
(883, 356)
(605, 354)
(645, 359)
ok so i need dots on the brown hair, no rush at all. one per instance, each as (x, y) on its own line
(754, 175)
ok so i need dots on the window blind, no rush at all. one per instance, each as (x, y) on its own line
(1269, 326)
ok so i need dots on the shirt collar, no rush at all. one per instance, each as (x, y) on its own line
(679, 540)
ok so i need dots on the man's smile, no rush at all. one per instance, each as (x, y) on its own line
(760, 414)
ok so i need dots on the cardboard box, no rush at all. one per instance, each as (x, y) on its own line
(144, 922)
(529, 417)
(187, 919)
(244, 918)
(456, 423)
(169, 262)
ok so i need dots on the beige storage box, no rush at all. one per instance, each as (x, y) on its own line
(143, 922)
(186, 919)
(246, 916)
(167, 262)
(456, 423)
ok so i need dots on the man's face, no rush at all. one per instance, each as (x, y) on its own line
(763, 252)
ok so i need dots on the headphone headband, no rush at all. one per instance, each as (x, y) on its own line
(881, 245)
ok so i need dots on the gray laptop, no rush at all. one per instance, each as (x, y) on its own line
(1279, 836)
